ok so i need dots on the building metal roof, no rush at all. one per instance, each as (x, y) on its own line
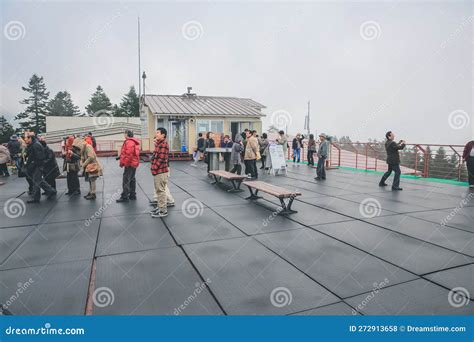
(193, 105)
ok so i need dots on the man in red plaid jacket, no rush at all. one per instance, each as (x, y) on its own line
(159, 170)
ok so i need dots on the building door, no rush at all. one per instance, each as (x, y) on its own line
(177, 135)
(234, 129)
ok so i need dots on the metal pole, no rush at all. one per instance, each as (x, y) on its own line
(139, 63)
(308, 117)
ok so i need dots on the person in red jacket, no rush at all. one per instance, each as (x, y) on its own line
(468, 156)
(129, 160)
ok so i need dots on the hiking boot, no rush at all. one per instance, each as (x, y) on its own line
(88, 194)
(90, 197)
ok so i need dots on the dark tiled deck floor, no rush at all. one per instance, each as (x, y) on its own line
(217, 253)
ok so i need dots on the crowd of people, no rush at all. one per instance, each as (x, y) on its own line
(248, 147)
(37, 163)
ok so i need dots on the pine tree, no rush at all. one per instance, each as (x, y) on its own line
(34, 115)
(99, 101)
(62, 105)
(130, 104)
(441, 167)
(6, 130)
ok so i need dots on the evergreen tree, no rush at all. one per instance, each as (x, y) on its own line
(34, 115)
(6, 130)
(130, 104)
(62, 105)
(98, 101)
(441, 167)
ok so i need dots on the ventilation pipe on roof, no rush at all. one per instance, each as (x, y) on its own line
(189, 94)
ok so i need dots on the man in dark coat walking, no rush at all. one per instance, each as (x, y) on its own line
(34, 168)
(393, 160)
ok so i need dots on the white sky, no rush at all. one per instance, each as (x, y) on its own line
(416, 71)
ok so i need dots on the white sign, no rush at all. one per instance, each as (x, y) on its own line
(277, 158)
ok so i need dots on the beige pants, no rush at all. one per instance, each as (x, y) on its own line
(92, 185)
(162, 192)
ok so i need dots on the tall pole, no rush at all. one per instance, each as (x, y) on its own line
(139, 63)
(308, 117)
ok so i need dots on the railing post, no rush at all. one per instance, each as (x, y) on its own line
(366, 157)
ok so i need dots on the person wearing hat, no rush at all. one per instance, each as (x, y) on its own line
(129, 160)
(322, 154)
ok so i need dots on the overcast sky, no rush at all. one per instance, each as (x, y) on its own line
(366, 67)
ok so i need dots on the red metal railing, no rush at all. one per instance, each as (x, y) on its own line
(425, 160)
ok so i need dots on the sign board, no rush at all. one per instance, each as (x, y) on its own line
(277, 158)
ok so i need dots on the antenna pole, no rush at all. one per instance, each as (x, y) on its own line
(139, 63)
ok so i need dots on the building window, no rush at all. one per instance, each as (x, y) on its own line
(216, 126)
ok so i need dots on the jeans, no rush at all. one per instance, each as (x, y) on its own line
(129, 182)
(310, 157)
(296, 155)
(38, 183)
(321, 168)
(396, 179)
(252, 167)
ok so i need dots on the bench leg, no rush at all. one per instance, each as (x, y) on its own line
(216, 180)
(286, 207)
(253, 196)
(235, 187)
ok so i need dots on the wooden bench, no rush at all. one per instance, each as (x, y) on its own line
(281, 193)
(235, 179)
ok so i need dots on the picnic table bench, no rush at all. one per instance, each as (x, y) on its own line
(281, 193)
(235, 179)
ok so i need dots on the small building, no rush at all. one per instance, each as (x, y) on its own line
(186, 115)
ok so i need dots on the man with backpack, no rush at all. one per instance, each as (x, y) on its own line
(129, 160)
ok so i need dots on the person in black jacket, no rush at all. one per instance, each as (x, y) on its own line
(297, 145)
(35, 155)
(51, 168)
(200, 149)
(393, 160)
